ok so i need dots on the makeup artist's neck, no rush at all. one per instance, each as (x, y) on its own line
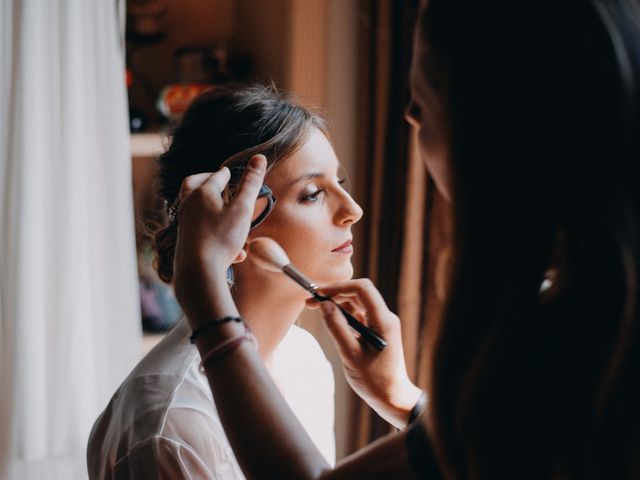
(270, 307)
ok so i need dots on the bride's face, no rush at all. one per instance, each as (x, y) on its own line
(313, 214)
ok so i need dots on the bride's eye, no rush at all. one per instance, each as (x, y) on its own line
(310, 194)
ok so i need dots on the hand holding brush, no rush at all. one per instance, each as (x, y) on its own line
(378, 376)
(270, 256)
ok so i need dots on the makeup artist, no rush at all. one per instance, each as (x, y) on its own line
(527, 114)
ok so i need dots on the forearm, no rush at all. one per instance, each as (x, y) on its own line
(266, 437)
(269, 442)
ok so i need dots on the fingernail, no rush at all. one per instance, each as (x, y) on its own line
(327, 307)
(257, 163)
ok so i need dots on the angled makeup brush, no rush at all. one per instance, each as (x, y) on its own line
(269, 255)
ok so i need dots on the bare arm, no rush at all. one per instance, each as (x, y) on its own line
(266, 437)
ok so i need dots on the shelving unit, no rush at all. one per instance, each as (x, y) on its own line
(145, 145)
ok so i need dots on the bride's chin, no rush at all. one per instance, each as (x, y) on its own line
(337, 274)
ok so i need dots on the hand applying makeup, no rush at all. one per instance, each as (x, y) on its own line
(212, 233)
(379, 377)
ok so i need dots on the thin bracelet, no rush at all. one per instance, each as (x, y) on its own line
(211, 324)
(418, 408)
(227, 346)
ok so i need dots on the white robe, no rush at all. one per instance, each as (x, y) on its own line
(162, 421)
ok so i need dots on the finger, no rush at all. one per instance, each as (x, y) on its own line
(241, 257)
(378, 316)
(353, 308)
(217, 182)
(362, 288)
(250, 184)
(312, 304)
(352, 300)
(344, 337)
(191, 183)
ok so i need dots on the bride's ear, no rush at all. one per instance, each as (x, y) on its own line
(242, 256)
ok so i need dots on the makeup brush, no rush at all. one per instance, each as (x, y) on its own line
(269, 255)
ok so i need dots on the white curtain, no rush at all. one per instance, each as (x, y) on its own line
(69, 305)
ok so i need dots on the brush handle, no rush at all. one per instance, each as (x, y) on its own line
(365, 332)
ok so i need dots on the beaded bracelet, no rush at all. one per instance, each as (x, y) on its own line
(227, 346)
(211, 324)
(418, 408)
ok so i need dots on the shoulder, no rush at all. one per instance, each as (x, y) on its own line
(141, 403)
(190, 443)
(151, 410)
(161, 457)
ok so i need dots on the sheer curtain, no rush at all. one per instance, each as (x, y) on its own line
(69, 307)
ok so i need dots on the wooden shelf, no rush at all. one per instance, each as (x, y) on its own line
(146, 144)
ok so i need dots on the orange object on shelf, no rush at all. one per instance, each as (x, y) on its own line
(175, 98)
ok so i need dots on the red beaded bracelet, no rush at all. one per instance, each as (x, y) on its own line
(227, 346)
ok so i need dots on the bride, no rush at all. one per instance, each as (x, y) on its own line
(162, 421)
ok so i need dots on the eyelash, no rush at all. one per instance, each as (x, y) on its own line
(312, 197)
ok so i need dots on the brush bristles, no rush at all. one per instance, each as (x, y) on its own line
(268, 254)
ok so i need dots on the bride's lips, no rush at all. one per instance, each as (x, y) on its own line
(344, 248)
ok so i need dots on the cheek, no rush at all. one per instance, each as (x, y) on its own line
(307, 235)
(293, 229)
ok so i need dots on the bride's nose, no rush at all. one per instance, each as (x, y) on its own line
(349, 212)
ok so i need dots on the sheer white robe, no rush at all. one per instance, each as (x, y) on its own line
(162, 422)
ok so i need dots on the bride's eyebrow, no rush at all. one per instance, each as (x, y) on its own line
(306, 176)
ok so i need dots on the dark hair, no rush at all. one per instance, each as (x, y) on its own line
(544, 127)
(225, 127)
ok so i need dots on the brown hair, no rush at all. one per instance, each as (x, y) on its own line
(545, 114)
(225, 127)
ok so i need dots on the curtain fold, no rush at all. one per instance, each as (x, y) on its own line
(69, 305)
(404, 222)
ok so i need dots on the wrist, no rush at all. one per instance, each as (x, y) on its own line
(397, 409)
(210, 338)
(205, 298)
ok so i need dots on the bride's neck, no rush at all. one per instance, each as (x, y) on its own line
(270, 303)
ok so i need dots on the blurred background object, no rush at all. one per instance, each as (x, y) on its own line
(194, 75)
(145, 21)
